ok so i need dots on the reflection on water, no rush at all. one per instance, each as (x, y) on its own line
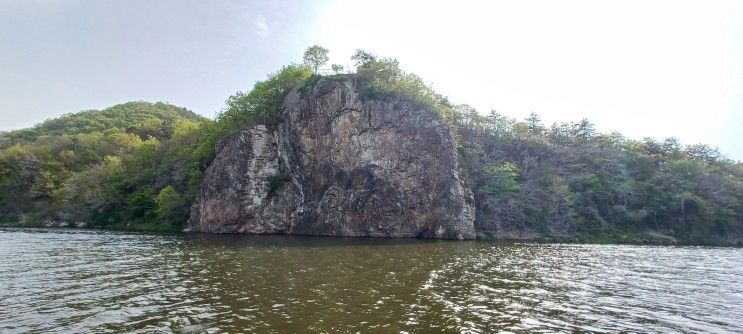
(74, 281)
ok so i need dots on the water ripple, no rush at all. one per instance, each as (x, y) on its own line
(81, 281)
(534, 288)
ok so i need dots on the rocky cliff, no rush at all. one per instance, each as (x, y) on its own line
(338, 164)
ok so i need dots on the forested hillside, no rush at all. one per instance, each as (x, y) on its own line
(141, 118)
(567, 180)
(138, 165)
(131, 164)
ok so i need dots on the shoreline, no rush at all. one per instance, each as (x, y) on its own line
(606, 239)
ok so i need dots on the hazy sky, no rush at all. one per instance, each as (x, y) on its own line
(644, 68)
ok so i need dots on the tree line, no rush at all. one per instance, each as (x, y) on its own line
(138, 165)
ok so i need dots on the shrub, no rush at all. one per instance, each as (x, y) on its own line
(500, 179)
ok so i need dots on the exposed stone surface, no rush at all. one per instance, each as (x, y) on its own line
(338, 165)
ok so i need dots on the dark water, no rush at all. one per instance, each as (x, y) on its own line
(82, 281)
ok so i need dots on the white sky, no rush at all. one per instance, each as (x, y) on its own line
(643, 68)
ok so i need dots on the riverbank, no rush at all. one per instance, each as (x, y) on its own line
(639, 239)
(649, 238)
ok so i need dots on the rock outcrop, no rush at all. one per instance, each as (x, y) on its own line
(341, 165)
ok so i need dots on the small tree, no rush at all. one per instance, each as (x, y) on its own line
(535, 123)
(316, 56)
(166, 203)
(362, 57)
(466, 113)
(583, 131)
(337, 68)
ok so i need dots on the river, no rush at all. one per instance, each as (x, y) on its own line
(56, 280)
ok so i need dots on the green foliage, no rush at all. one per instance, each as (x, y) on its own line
(139, 118)
(561, 199)
(501, 179)
(141, 205)
(362, 57)
(260, 104)
(316, 56)
(167, 202)
(534, 123)
(103, 168)
(384, 79)
(576, 182)
(85, 195)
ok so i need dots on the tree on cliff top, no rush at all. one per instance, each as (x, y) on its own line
(316, 56)
(382, 78)
(362, 57)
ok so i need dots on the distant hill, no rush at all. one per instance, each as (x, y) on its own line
(90, 165)
(144, 118)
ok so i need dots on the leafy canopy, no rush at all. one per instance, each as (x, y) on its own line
(261, 102)
(383, 78)
(316, 56)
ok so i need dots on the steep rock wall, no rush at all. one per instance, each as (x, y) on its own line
(338, 165)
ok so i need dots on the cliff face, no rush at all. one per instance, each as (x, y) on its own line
(337, 165)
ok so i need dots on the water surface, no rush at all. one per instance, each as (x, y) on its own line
(77, 281)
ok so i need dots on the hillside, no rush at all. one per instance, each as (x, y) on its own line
(93, 167)
(568, 182)
(142, 118)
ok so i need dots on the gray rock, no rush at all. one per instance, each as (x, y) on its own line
(338, 165)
